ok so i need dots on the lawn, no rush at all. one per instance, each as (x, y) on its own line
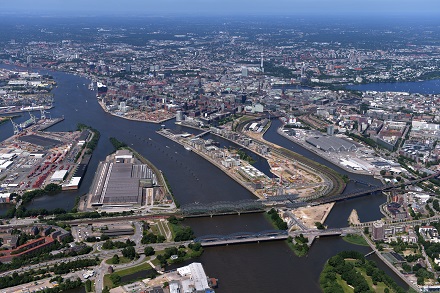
(347, 289)
(125, 272)
(355, 239)
(132, 270)
(379, 288)
(122, 260)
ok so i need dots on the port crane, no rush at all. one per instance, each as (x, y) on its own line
(17, 127)
(29, 122)
(43, 114)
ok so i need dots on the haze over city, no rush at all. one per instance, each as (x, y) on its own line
(223, 7)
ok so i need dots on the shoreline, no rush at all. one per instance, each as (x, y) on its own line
(133, 119)
(214, 163)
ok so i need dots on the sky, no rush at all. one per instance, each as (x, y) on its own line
(223, 7)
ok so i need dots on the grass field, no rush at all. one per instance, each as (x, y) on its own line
(355, 239)
(345, 286)
(125, 272)
(122, 260)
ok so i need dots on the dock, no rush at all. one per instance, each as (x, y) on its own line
(51, 123)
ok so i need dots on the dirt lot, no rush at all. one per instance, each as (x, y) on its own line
(310, 215)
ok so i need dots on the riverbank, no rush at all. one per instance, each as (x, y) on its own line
(215, 163)
(134, 119)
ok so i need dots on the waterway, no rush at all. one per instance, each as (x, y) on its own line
(421, 87)
(241, 268)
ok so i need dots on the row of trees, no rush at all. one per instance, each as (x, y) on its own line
(148, 238)
(64, 268)
(16, 279)
(117, 244)
(276, 219)
(27, 277)
(117, 144)
(91, 145)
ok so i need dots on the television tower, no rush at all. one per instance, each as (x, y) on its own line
(262, 62)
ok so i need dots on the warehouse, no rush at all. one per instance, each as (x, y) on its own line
(121, 180)
(58, 176)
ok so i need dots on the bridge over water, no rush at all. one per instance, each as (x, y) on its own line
(270, 235)
(282, 201)
(239, 207)
(242, 237)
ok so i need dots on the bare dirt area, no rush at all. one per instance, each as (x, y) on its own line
(310, 215)
(354, 218)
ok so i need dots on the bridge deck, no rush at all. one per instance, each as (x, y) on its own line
(243, 240)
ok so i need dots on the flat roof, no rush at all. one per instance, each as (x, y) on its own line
(58, 175)
(331, 143)
(40, 140)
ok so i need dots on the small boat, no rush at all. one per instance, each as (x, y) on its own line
(187, 148)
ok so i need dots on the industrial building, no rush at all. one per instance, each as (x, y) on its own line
(123, 181)
(193, 279)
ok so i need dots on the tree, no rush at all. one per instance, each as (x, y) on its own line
(319, 225)
(149, 251)
(108, 245)
(115, 259)
(129, 252)
(88, 285)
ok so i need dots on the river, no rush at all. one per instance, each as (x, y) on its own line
(242, 268)
(421, 87)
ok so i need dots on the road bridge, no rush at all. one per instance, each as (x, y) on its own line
(202, 134)
(239, 207)
(242, 237)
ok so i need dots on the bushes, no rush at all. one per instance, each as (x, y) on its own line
(152, 238)
(117, 144)
(276, 220)
(181, 233)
